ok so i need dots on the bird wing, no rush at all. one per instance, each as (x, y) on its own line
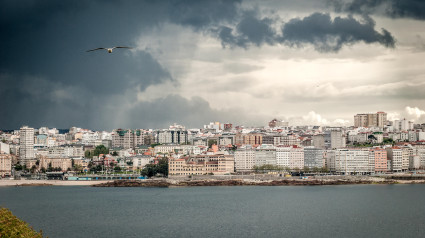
(122, 47)
(97, 49)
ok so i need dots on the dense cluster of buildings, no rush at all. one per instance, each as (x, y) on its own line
(372, 145)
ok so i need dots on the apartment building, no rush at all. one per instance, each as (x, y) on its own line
(378, 160)
(244, 159)
(352, 161)
(201, 164)
(313, 157)
(370, 119)
(26, 144)
(395, 156)
(46, 162)
(5, 165)
(127, 139)
(265, 154)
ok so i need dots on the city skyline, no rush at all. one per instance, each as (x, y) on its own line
(245, 62)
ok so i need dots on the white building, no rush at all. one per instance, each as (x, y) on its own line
(139, 162)
(313, 158)
(5, 165)
(26, 142)
(395, 155)
(4, 148)
(283, 156)
(337, 139)
(265, 154)
(290, 156)
(352, 161)
(244, 159)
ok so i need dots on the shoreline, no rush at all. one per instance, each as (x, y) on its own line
(170, 182)
(247, 182)
(29, 183)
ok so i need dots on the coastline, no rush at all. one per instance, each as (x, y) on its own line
(248, 182)
(24, 183)
(176, 182)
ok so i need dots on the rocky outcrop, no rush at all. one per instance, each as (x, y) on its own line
(236, 182)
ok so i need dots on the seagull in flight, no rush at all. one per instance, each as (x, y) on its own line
(110, 49)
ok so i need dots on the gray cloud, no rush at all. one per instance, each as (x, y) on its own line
(47, 78)
(329, 35)
(250, 30)
(393, 8)
(194, 112)
(318, 29)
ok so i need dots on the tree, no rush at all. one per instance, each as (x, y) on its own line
(117, 169)
(163, 167)
(212, 142)
(88, 154)
(77, 167)
(306, 169)
(388, 141)
(18, 167)
(100, 149)
(49, 167)
(151, 170)
(3, 140)
(324, 170)
(33, 168)
(114, 153)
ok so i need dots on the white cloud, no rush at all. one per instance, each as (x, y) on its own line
(285, 81)
(391, 116)
(315, 118)
(415, 111)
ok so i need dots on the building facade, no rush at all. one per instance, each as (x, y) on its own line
(26, 143)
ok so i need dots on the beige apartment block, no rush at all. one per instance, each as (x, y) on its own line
(202, 164)
(370, 119)
(5, 165)
(63, 163)
(244, 159)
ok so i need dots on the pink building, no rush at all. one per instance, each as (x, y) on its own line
(378, 156)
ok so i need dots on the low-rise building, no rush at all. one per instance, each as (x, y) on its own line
(265, 154)
(201, 164)
(5, 165)
(63, 163)
(378, 160)
(395, 155)
(352, 161)
(244, 159)
(313, 158)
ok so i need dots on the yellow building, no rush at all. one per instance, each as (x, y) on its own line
(5, 165)
(63, 163)
(202, 164)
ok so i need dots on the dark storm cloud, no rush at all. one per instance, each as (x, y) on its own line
(194, 112)
(327, 34)
(47, 78)
(318, 29)
(393, 8)
(250, 30)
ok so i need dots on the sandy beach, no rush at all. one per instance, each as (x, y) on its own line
(5, 182)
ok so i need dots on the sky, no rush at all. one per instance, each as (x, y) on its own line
(245, 62)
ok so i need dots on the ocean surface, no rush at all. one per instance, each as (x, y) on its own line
(317, 211)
